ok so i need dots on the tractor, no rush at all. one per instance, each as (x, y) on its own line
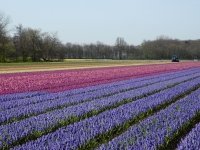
(175, 58)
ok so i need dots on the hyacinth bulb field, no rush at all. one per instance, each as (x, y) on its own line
(145, 107)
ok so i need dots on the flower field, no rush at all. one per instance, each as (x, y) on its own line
(130, 107)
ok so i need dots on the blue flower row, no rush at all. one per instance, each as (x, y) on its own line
(159, 128)
(78, 134)
(192, 140)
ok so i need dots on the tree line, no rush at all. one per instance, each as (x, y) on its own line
(28, 44)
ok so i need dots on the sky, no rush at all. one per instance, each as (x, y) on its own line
(89, 21)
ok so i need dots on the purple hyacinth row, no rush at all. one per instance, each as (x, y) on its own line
(157, 129)
(18, 96)
(33, 109)
(93, 93)
(192, 140)
(16, 130)
(77, 134)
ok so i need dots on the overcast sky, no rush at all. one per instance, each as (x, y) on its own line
(86, 21)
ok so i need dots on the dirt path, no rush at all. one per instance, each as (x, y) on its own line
(31, 67)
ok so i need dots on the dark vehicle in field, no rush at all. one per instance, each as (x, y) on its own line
(175, 58)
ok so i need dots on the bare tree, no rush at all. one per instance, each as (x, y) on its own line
(120, 47)
(21, 42)
(4, 38)
(35, 43)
